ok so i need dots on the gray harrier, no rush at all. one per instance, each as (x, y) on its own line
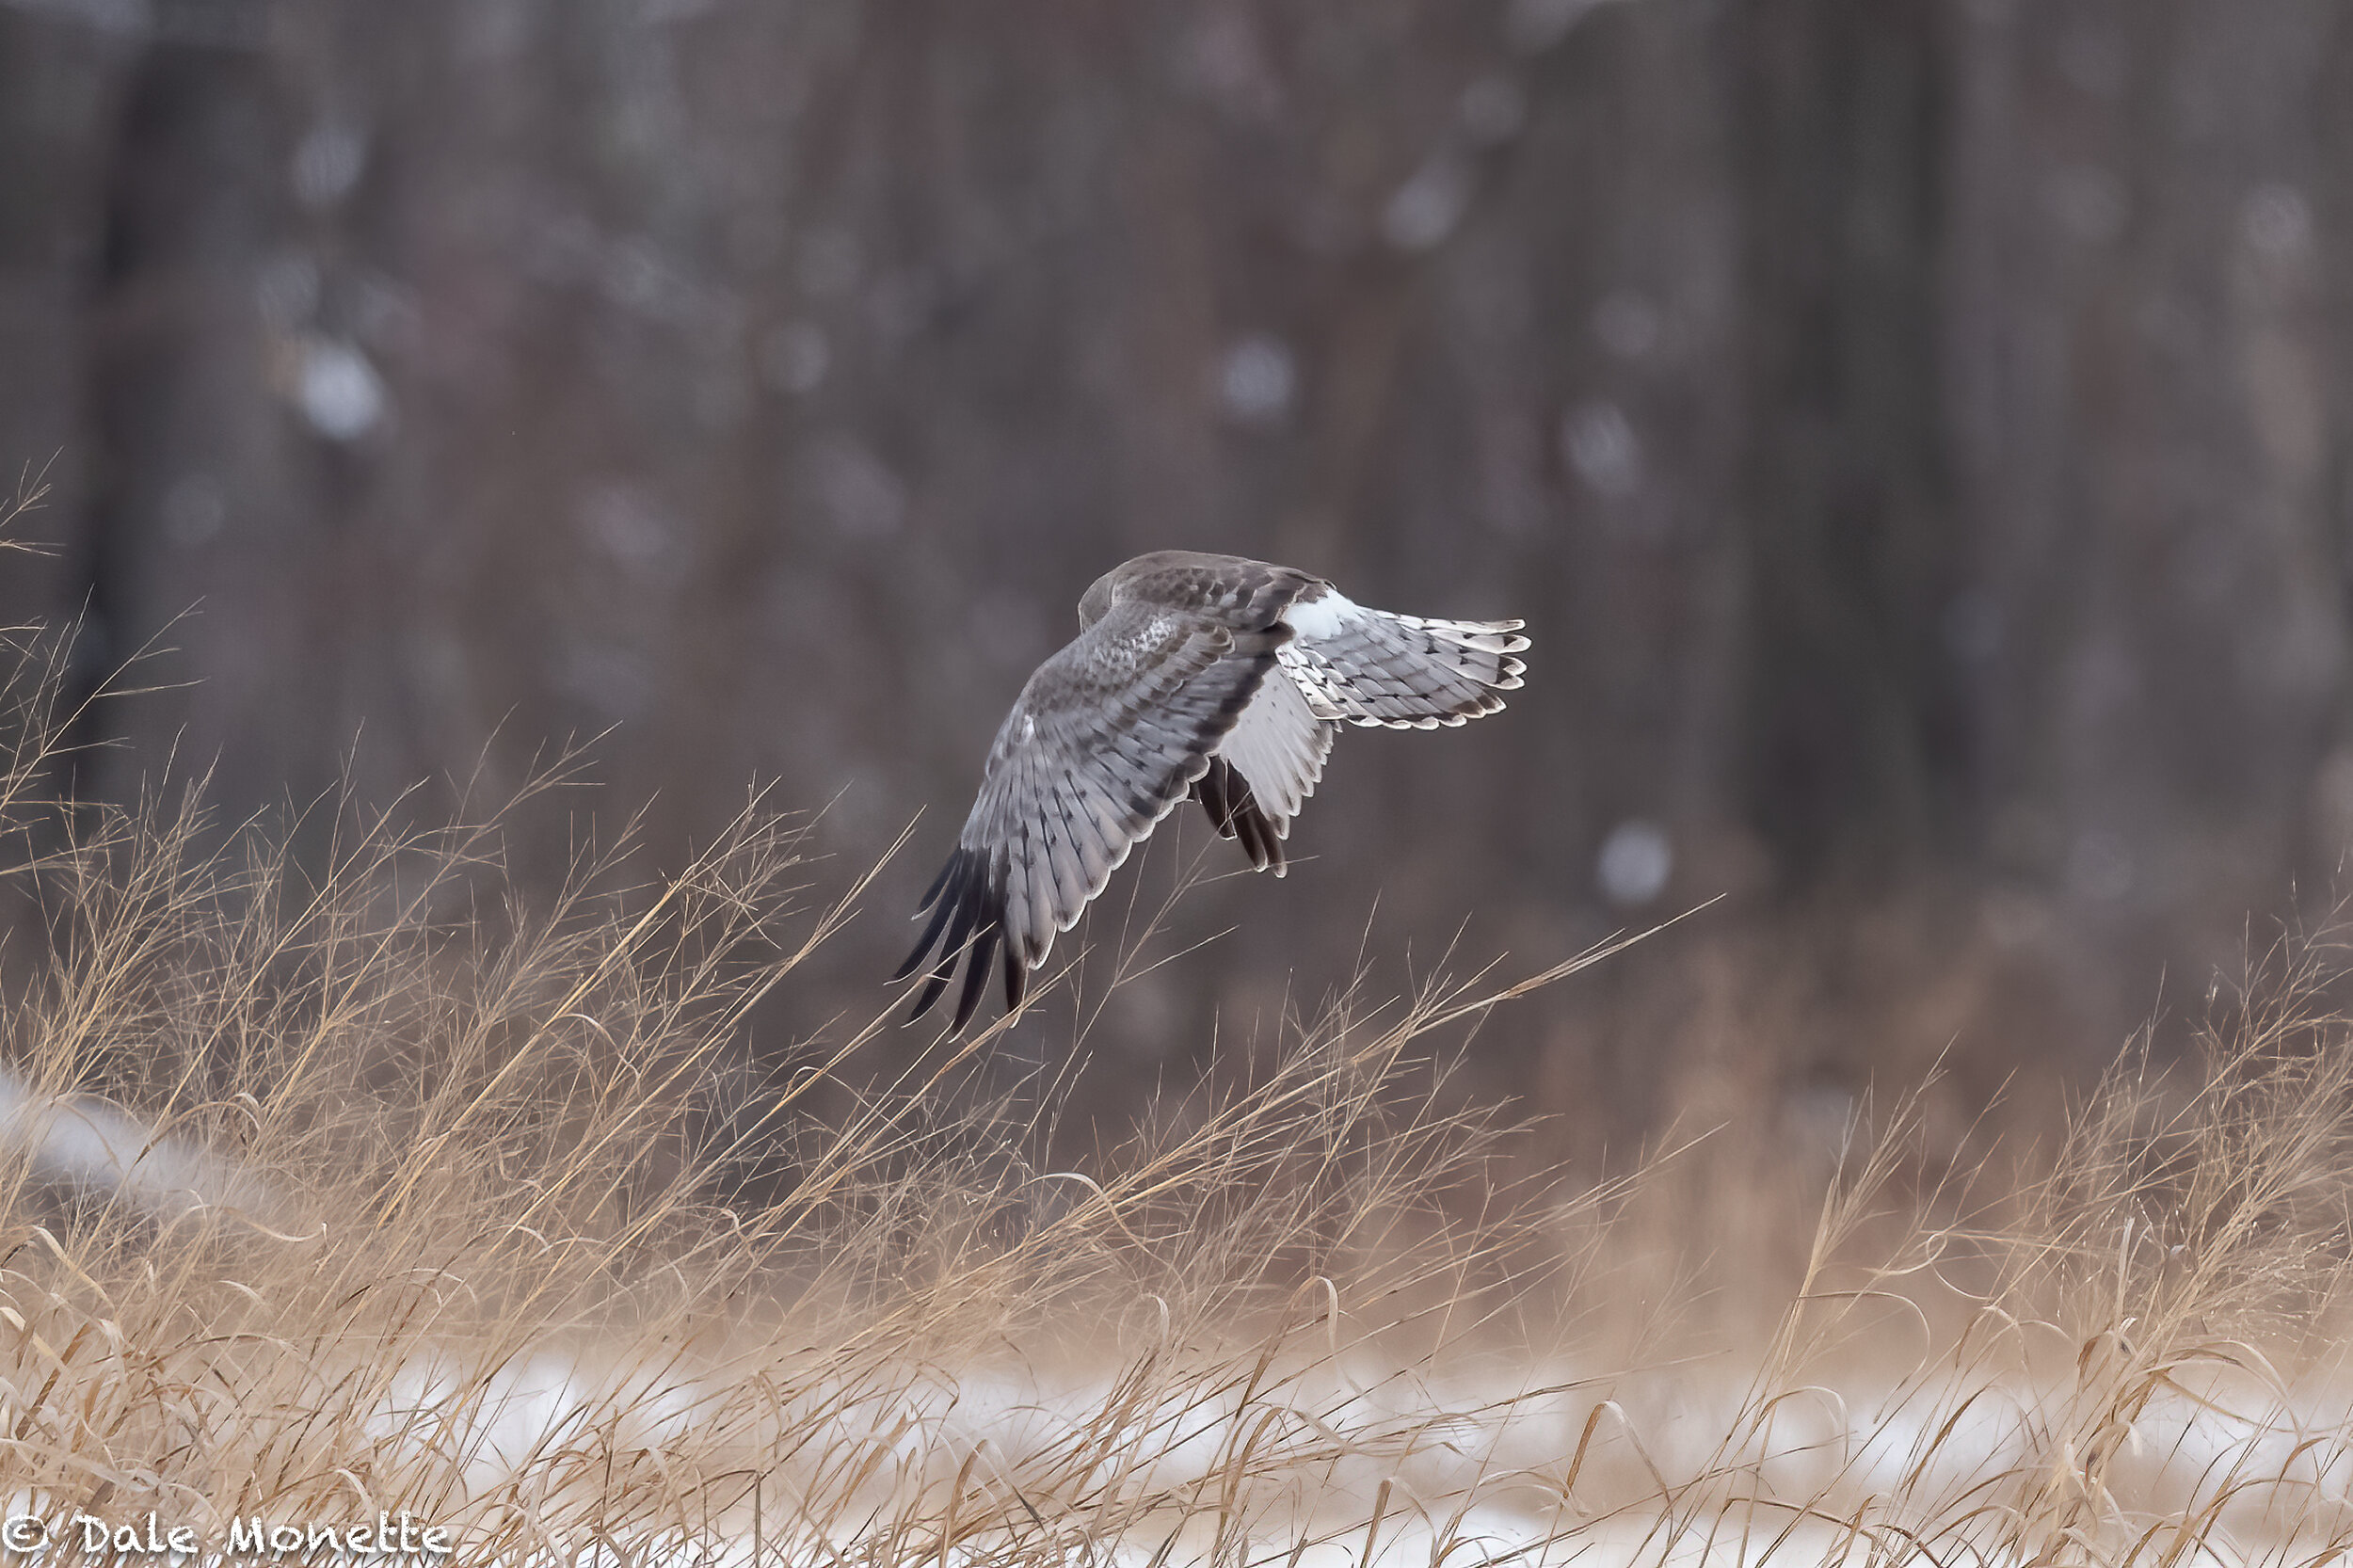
(1202, 675)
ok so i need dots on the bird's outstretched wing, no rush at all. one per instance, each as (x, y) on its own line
(1104, 740)
(1373, 667)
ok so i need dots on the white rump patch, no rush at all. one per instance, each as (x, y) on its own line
(1323, 617)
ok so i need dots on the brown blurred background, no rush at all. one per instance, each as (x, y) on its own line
(1914, 431)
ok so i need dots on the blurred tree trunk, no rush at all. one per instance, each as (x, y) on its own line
(2145, 399)
(1851, 534)
(211, 535)
(58, 92)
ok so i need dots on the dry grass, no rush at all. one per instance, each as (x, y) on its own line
(354, 1185)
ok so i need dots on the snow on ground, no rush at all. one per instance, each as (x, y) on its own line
(1476, 1466)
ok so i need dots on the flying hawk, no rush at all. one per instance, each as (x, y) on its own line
(1211, 676)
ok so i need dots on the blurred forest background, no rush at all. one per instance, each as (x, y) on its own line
(1915, 432)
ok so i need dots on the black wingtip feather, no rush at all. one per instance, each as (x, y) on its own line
(924, 998)
(967, 905)
(1016, 977)
(948, 881)
(930, 895)
(976, 967)
(933, 986)
(963, 898)
(952, 949)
